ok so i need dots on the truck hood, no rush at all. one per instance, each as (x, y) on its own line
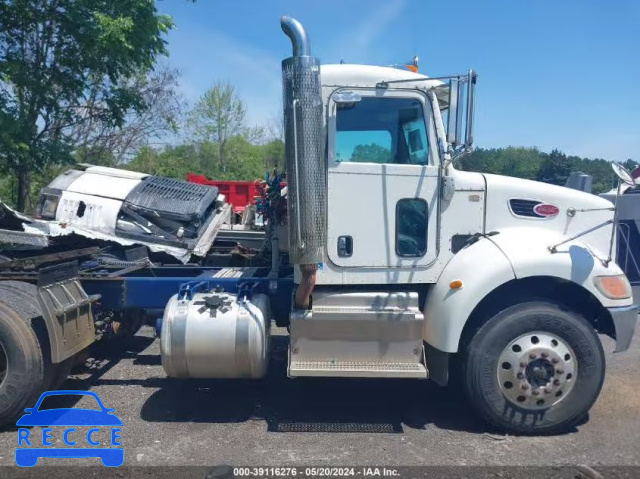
(517, 203)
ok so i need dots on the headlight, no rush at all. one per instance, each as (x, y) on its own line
(48, 204)
(613, 287)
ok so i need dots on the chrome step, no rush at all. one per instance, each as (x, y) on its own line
(358, 334)
(362, 369)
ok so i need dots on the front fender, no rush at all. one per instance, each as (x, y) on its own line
(528, 252)
(482, 267)
(491, 262)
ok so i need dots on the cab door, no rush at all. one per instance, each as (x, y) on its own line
(383, 169)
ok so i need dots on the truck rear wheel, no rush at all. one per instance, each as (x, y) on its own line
(22, 360)
(534, 368)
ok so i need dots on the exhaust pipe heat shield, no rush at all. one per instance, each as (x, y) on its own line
(304, 147)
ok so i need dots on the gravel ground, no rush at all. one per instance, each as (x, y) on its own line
(286, 422)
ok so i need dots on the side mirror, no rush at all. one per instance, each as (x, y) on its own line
(471, 104)
(457, 110)
(455, 115)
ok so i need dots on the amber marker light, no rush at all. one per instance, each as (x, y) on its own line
(613, 287)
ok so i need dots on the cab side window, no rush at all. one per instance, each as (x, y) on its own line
(412, 220)
(382, 130)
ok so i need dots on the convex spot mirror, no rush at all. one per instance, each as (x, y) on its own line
(622, 173)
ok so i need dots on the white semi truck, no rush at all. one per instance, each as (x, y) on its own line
(404, 266)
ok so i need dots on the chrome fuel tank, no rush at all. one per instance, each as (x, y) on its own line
(216, 335)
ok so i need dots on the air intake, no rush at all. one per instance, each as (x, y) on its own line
(520, 207)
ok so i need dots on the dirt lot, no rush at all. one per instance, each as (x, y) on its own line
(285, 422)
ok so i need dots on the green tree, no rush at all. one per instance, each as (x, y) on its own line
(273, 153)
(630, 164)
(217, 117)
(249, 160)
(274, 148)
(555, 168)
(510, 161)
(372, 153)
(53, 53)
(173, 161)
(533, 164)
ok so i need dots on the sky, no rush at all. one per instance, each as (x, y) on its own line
(552, 74)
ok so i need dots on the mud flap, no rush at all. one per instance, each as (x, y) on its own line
(66, 309)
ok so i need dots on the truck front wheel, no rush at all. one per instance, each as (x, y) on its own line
(534, 368)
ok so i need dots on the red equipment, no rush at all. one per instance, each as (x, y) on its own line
(238, 193)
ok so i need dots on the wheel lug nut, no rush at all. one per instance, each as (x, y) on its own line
(525, 387)
(532, 356)
(560, 371)
(523, 364)
(554, 360)
(520, 376)
(547, 391)
(543, 355)
(556, 382)
(535, 392)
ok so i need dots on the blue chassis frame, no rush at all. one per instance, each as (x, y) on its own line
(151, 288)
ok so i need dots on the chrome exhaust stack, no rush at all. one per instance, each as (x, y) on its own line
(298, 36)
(304, 147)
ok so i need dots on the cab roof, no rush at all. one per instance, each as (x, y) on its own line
(369, 76)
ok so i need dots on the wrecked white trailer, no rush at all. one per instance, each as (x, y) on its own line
(131, 208)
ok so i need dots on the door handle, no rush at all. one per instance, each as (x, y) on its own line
(345, 246)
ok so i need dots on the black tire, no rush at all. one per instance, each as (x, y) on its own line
(18, 300)
(54, 374)
(480, 368)
(24, 378)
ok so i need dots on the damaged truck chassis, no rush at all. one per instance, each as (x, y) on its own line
(428, 272)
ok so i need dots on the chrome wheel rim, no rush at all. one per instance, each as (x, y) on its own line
(537, 370)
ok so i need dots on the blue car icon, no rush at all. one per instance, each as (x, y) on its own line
(110, 457)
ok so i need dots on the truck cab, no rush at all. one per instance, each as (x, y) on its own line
(419, 264)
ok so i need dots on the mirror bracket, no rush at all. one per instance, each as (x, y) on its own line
(448, 188)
